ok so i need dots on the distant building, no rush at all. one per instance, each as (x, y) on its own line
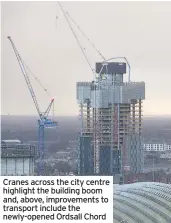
(165, 156)
(157, 147)
(17, 159)
(10, 142)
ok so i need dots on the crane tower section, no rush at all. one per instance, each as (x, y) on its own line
(111, 122)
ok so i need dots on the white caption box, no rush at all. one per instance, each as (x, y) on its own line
(69, 198)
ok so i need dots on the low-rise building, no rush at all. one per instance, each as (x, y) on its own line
(17, 159)
(157, 147)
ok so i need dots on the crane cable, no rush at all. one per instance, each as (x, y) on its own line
(86, 36)
(76, 38)
(57, 17)
(47, 92)
(95, 48)
(36, 79)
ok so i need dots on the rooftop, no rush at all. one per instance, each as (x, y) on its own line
(18, 150)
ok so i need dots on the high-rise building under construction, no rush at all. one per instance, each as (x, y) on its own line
(111, 122)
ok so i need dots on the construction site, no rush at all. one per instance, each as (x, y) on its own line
(110, 137)
(105, 136)
(111, 122)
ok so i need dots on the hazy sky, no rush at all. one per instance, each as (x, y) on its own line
(140, 31)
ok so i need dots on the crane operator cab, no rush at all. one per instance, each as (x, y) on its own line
(47, 123)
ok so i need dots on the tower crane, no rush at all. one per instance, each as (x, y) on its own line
(43, 121)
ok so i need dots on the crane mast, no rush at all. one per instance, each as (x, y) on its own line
(43, 121)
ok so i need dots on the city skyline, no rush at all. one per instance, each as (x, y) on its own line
(48, 47)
